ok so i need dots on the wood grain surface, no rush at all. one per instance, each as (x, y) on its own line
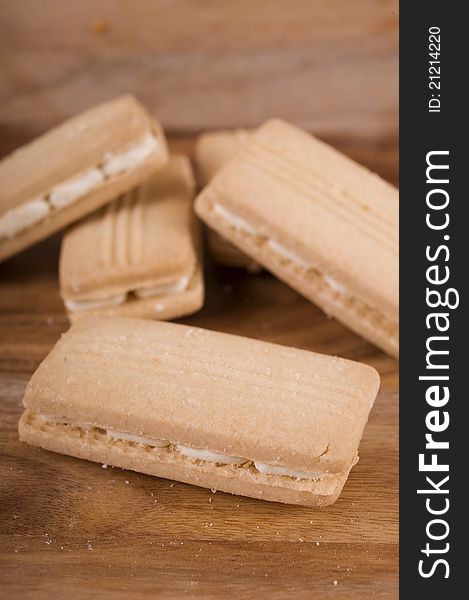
(327, 65)
(71, 529)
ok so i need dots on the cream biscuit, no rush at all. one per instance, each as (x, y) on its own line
(329, 228)
(74, 169)
(212, 151)
(138, 256)
(207, 408)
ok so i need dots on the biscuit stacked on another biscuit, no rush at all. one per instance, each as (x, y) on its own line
(202, 407)
(76, 168)
(146, 261)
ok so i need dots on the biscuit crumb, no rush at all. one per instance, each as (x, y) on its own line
(103, 466)
(99, 26)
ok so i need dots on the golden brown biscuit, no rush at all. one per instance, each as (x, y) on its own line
(212, 151)
(203, 407)
(74, 169)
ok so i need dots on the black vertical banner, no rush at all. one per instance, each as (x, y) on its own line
(434, 258)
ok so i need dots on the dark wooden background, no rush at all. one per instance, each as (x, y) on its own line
(72, 529)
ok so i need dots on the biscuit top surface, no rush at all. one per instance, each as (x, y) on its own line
(77, 144)
(145, 236)
(319, 204)
(214, 148)
(208, 390)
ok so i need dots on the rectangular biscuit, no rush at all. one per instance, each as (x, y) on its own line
(74, 169)
(138, 256)
(206, 408)
(213, 150)
(325, 225)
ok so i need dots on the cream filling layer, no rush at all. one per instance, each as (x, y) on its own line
(166, 289)
(234, 220)
(161, 290)
(240, 223)
(77, 305)
(276, 470)
(216, 457)
(244, 226)
(335, 285)
(117, 163)
(17, 219)
(67, 192)
(63, 194)
(193, 453)
(136, 439)
(280, 249)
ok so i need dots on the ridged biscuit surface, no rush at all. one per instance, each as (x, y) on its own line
(208, 390)
(318, 220)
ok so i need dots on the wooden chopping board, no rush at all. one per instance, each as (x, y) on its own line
(73, 529)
